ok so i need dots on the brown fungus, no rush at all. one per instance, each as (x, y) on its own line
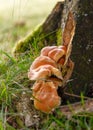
(46, 97)
(52, 69)
(42, 68)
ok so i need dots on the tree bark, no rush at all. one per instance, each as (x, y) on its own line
(82, 52)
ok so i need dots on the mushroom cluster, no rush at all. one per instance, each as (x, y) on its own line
(47, 71)
(52, 69)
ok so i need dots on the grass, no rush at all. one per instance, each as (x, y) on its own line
(15, 12)
(13, 73)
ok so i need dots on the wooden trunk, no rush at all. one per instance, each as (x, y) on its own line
(50, 33)
(82, 52)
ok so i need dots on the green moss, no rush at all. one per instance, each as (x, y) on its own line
(27, 42)
(37, 40)
(59, 36)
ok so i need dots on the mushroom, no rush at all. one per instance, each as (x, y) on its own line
(45, 96)
(56, 54)
(43, 67)
(48, 69)
(42, 60)
(44, 72)
(47, 49)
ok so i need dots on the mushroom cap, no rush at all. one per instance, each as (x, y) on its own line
(47, 49)
(44, 72)
(56, 54)
(46, 97)
(43, 67)
(42, 60)
(61, 61)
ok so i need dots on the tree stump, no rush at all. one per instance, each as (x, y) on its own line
(50, 33)
(82, 52)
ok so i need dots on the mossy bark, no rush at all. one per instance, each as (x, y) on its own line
(45, 34)
(82, 52)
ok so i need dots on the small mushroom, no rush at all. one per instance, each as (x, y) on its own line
(45, 96)
(44, 72)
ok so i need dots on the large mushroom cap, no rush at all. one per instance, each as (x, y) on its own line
(43, 67)
(43, 72)
(54, 52)
(46, 97)
(42, 60)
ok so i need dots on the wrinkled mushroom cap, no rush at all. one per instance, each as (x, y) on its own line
(46, 97)
(56, 54)
(42, 60)
(43, 67)
(47, 49)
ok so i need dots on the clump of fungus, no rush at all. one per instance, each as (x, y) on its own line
(42, 68)
(46, 97)
(51, 70)
(48, 77)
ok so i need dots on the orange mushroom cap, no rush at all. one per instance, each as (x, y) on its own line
(46, 97)
(42, 60)
(44, 72)
(56, 54)
(43, 67)
(47, 49)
